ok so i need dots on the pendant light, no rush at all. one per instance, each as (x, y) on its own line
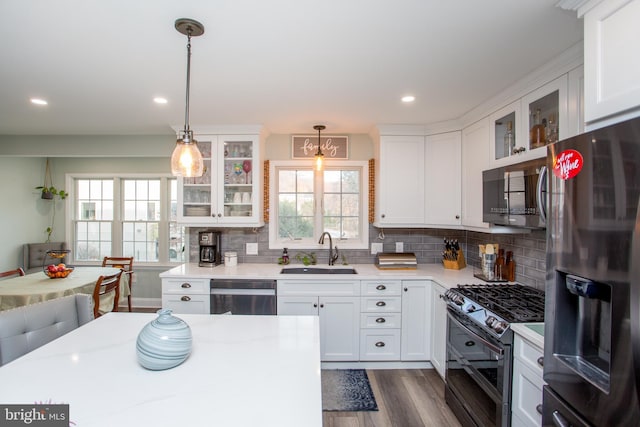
(186, 159)
(319, 157)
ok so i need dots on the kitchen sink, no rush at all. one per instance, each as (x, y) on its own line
(317, 270)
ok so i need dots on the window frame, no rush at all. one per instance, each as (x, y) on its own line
(118, 220)
(277, 243)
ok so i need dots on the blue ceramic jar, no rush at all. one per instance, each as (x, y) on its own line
(164, 343)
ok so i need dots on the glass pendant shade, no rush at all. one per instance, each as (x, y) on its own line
(319, 160)
(319, 157)
(186, 159)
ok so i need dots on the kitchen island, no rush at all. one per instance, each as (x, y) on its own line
(242, 371)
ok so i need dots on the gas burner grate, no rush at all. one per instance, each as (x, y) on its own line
(514, 303)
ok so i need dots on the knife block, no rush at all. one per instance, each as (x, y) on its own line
(458, 264)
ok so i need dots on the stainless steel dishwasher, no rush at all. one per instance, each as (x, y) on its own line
(240, 296)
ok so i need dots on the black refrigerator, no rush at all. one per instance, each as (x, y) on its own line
(592, 313)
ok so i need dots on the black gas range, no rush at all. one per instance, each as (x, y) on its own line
(479, 348)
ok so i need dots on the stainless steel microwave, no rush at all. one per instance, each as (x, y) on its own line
(516, 195)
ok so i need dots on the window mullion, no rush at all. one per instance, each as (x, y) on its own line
(117, 223)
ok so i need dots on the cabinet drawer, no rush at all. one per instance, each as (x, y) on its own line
(380, 287)
(529, 354)
(186, 304)
(380, 344)
(336, 288)
(380, 320)
(381, 304)
(185, 286)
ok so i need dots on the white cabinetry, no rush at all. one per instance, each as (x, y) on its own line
(526, 405)
(400, 181)
(186, 296)
(380, 320)
(416, 320)
(475, 159)
(337, 302)
(612, 70)
(229, 192)
(442, 185)
(438, 328)
(418, 180)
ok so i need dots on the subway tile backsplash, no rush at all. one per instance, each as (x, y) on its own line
(528, 248)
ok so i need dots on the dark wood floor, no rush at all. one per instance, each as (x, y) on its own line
(405, 397)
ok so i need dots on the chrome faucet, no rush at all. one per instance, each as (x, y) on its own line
(333, 256)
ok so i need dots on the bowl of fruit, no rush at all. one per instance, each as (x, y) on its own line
(58, 271)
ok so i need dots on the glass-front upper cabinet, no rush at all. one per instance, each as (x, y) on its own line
(228, 193)
(544, 118)
(521, 130)
(505, 140)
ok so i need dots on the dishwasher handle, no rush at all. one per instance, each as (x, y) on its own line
(267, 292)
(242, 284)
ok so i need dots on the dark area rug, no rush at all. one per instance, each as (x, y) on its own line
(347, 390)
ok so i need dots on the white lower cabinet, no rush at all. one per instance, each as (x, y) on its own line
(416, 320)
(186, 296)
(438, 328)
(526, 404)
(337, 303)
(380, 320)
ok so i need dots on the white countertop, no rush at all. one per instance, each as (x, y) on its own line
(446, 278)
(529, 334)
(243, 371)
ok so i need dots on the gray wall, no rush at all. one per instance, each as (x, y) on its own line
(427, 244)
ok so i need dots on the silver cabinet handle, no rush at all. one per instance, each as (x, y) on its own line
(185, 285)
(457, 216)
(219, 215)
(539, 409)
(540, 361)
(380, 320)
(315, 305)
(383, 215)
(185, 298)
(381, 303)
(381, 287)
(321, 305)
(379, 344)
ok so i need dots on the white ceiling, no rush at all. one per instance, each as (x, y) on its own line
(285, 64)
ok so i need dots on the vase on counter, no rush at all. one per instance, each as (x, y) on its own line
(163, 343)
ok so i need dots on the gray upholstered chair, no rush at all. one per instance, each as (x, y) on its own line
(33, 254)
(23, 329)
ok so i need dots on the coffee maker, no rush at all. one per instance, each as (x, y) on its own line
(209, 249)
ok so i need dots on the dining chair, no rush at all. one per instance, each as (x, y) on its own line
(12, 273)
(126, 265)
(106, 285)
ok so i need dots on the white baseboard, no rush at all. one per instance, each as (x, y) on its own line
(377, 365)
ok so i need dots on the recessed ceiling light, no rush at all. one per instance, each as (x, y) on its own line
(38, 101)
(160, 100)
(408, 98)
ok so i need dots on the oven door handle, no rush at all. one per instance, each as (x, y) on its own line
(491, 346)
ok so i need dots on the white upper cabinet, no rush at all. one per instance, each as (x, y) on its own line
(443, 179)
(229, 193)
(418, 180)
(612, 67)
(400, 181)
(475, 159)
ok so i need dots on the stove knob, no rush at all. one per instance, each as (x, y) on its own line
(490, 321)
(471, 309)
(500, 327)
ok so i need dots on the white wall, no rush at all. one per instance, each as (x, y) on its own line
(24, 216)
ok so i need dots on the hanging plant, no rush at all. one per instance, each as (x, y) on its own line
(49, 192)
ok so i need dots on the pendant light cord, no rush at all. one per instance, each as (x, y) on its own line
(187, 130)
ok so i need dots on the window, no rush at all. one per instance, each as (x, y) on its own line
(125, 216)
(305, 203)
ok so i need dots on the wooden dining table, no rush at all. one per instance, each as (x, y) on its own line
(37, 287)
